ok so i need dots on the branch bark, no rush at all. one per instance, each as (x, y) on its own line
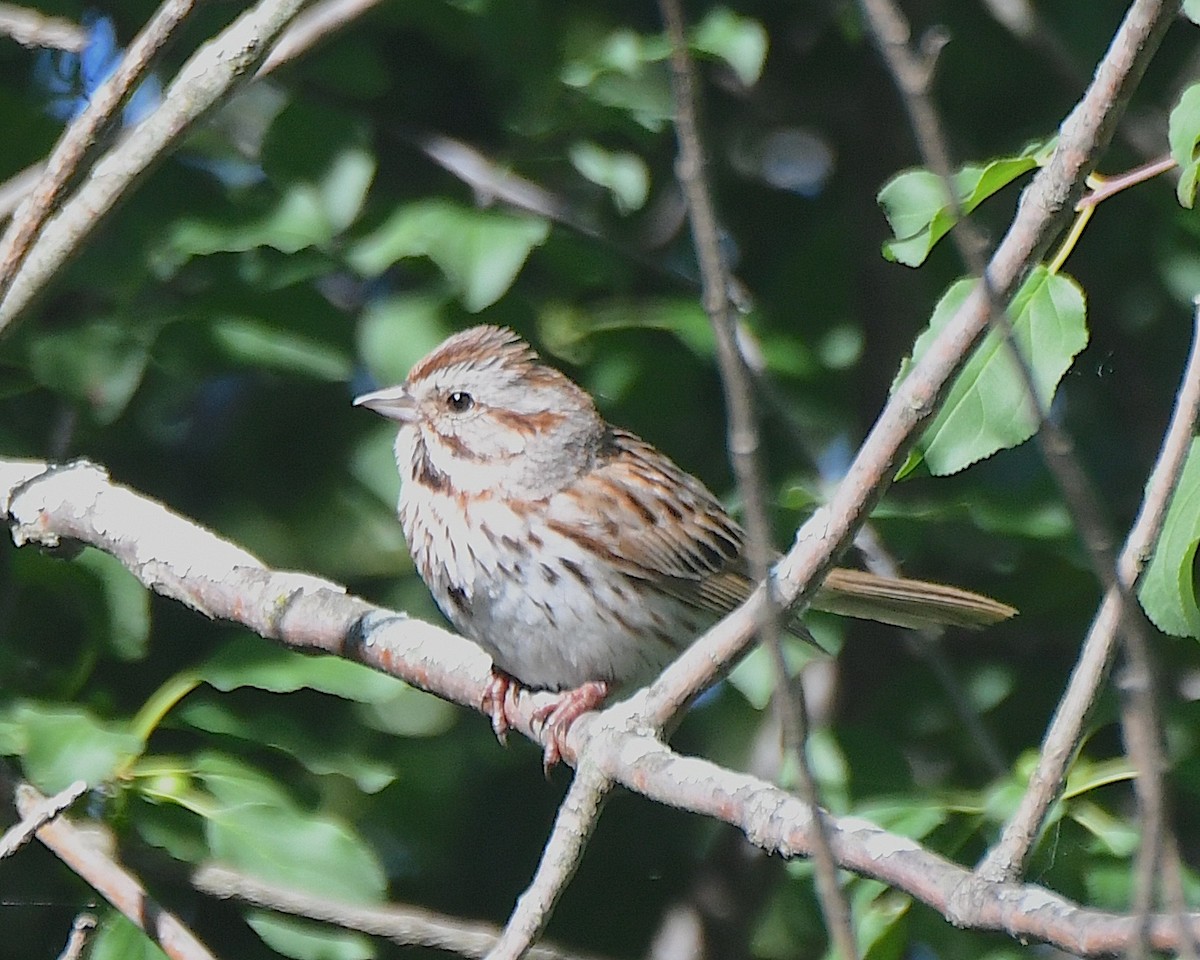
(179, 559)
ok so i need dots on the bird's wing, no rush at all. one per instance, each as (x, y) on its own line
(655, 522)
(652, 521)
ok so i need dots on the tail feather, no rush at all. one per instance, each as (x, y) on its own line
(906, 603)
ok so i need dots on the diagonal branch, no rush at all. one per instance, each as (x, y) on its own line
(112, 881)
(1045, 205)
(1010, 852)
(744, 447)
(403, 925)
(573, 827)
(208, 77)
(83, 133)
(37, 816)
(178, 559)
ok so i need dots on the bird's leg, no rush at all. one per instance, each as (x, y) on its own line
(557, 716)
(500, 701)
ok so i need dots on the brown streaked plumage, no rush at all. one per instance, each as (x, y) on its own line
(575, 553)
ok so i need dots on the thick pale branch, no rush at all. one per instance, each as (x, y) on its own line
(181, 560)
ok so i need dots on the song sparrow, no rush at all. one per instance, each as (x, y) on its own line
(572, 551)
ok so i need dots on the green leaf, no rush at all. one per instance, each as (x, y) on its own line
(249, 662)
(1119, 837)
(568, 331)
(1183, 135)
(62, 744)
(308, 213)
(1168, 588)
(918, 208)
(117, 938)
(232, 783)
(395, 332)
(410, 713)
(328, 749)
(281, 844)
(624, 175)
(261, 344)
(739, 41)
(100, 364)
(307, 940)
(625, 71)
(988, 407)
(480, 251)
(126, 604)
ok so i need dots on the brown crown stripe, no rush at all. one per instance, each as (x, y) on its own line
(502, 346)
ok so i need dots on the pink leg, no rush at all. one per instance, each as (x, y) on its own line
(557, 716)
(500, 701)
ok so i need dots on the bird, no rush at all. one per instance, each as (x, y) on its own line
(580, 557)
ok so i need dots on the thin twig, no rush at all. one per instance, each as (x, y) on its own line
(312, 27)
(112, 881)
(744, 449)
(83, 924)
(16, 187)
(82, 134)
(573, 826)
(39, 814)
(912, 78)
(208, 77)
(1010, 852)
(1110, 186)
(403, 925)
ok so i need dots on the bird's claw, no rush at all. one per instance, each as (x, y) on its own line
(555, 717)
(499, 702)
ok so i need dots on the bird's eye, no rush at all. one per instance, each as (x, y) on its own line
(460, 402)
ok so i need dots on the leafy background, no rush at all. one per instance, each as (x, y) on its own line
(304, 246)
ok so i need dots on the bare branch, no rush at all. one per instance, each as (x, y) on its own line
(83, 924)
(573, 828)
(744, 450)
(16, 187)
(82, 134)
(744, 446)
(31, 28)
(39, 814)
(208, 77)
(313, 26)
(108, 878)
(407, 926)
(180, 560)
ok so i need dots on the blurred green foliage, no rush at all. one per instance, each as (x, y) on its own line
(306, 244)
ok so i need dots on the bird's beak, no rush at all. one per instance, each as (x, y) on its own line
(395, 403)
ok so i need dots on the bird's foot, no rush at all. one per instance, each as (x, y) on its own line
(557, 716)
(500, 702)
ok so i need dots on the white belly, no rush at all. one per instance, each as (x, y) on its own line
(548, 613)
